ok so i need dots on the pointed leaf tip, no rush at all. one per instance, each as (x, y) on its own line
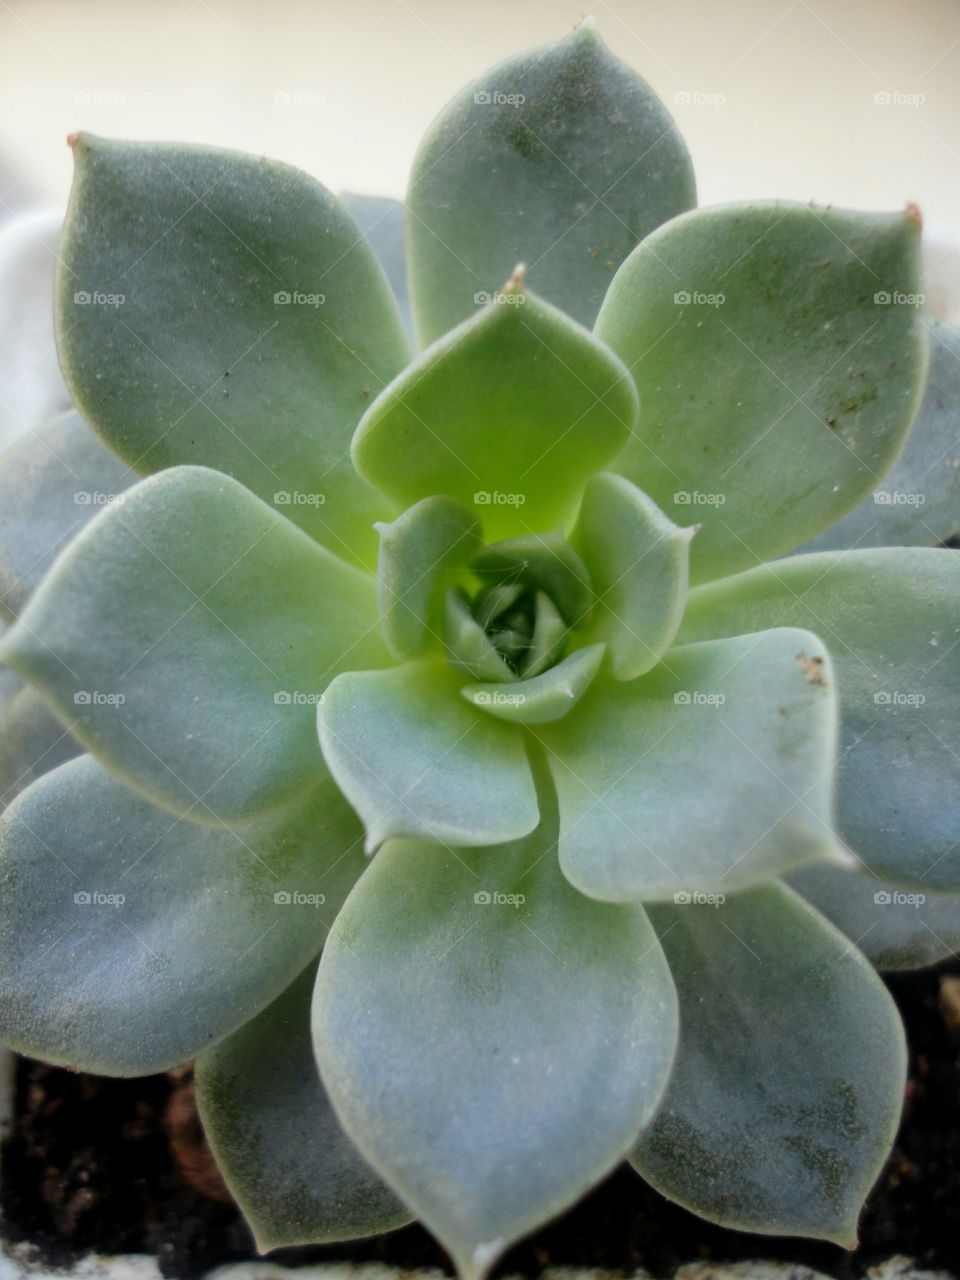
(550, 123)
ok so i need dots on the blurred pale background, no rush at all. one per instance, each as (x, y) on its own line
(850, 101)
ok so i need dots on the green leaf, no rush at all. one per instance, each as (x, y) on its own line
(381, 219)
(221, 352)
(918, 503)
(790, 1071)
(150, 938)
(52, 482)
(894, 928)
(638, 563)
(419, 552)
(543, 698)
(712, 772)
(186, 635)
(892, 623)
(563, 158)
(542, 562)
(549, 636)
(541, 1042)
(278, 1144)
(32, 740)
(469, 649)
(413, 759)
(32, 385)
(776, 389)
(509, 413)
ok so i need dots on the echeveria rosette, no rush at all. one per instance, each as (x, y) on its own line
(602, 754)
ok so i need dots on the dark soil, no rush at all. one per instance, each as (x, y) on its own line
(119, 1166)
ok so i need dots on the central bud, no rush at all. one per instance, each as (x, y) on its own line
(533, 591)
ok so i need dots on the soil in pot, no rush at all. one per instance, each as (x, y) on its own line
(119, 1166)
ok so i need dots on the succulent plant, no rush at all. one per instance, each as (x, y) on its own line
(478, 677)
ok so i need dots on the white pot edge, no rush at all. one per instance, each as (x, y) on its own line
(941, 278)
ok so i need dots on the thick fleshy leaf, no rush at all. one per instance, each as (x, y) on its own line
(508, 414)
(419, 552)
(468, 647)
(638, 564)
(413, 759)
(549, 637)
(32, 739)
(918, 502)
(542, 562)
(150, 938)
(186, 636)
(895, 928)
(53, 481)
(222, 309)
(31, 385)
(541, 1043)
(381, 219)
(543, 698)
(290, 1167)
(712, 772)
(790, 1071)
(892, 621)
(562, 158)
(777, 384)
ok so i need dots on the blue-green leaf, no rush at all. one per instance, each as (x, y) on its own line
(222, 309)
(537, 1046)
(413, 759)
(638, 562)
(918, 502)
(544, 698)
(150, 938)
(710, 773)
(419, 552)
(186, 636)
(891, 619)
(287, 1162)
(508, 414)
(563, 158)
(790, 1072)
(780, 355)
(895, 928)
